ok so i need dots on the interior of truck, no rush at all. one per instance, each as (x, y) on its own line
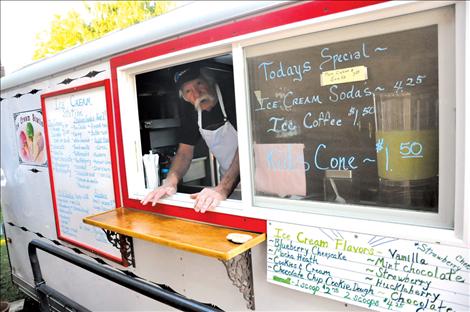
(159, 108)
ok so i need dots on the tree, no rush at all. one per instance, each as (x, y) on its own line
(103, 17)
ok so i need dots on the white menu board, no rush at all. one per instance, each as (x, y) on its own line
(78, 143)
(375, 272)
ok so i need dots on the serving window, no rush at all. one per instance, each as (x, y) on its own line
(152, 114)
(355, 121)
(163, 114)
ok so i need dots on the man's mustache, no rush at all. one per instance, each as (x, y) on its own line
(202, 99)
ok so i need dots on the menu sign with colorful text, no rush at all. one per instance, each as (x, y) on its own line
(375, 272)
(78, 140)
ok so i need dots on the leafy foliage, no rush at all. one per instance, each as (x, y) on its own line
(102, 17)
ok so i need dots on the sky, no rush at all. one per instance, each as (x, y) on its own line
(20, 21)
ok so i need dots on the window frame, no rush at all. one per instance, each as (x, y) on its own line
(230, 212)
(442, 17)
(128, 94)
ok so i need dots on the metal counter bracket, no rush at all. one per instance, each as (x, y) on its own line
(124, 244)
(240, 272)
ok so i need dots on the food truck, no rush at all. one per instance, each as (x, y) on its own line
(353, 144)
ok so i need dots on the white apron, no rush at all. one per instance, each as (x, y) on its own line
(222, 142)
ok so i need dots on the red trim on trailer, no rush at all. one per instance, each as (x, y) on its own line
(94, 250)
(112, 144)
(283, 16)
(49, 162)
(238, 222)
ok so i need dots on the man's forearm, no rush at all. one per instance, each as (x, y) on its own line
(231, 178)
(180, 164)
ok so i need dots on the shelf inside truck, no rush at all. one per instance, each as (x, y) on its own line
(200, 238)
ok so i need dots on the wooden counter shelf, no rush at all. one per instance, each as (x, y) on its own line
(200, 238)
(123, 224)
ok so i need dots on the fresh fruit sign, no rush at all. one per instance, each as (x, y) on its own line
(30, 138)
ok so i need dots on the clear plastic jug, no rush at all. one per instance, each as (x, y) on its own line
(407, 146)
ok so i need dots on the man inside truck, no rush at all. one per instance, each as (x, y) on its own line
(208, 115)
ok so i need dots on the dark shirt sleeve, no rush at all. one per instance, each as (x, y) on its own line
(188, 132)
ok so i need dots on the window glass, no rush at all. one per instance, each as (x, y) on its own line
(350, 122)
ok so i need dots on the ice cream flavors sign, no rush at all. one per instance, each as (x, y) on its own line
(30, 138)
(375, 272)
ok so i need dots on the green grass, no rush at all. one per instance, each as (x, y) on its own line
(8, 291)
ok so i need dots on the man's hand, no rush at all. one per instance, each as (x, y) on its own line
(208, 199)
(179, 167)
(159, 192)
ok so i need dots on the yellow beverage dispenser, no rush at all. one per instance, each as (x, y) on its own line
(407, 146)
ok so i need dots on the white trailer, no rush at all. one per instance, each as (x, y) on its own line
(353, 145)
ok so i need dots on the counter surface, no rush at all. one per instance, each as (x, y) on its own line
(204, 239)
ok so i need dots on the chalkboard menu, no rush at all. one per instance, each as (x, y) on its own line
(81, 172)
(375, 272)
(365, 111)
